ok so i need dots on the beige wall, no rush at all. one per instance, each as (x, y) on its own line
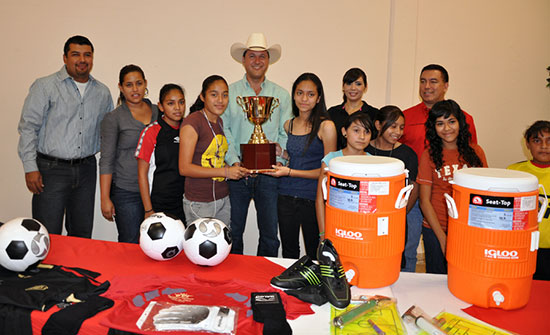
(496, 53)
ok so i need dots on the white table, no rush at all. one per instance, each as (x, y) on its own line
(427, 291)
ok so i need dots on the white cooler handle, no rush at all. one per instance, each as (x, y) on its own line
(451, 206)
(535, 237)
(544, 205)
(403, 196)
(324, 187)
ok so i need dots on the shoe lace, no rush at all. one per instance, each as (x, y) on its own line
(310, 276)
(296, 269)
(328, 271)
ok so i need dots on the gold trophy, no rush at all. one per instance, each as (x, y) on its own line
(258, 155)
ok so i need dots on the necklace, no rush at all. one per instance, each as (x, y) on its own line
(348, 105)
(376, 149)
(217, 155)
(218, 145)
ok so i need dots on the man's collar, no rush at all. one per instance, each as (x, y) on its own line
(425, 108)
(248, 84)
(63, 74)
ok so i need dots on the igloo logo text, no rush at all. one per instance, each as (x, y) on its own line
(349, 234)
(501, 254)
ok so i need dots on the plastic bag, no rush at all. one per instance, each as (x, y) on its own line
(166, 316)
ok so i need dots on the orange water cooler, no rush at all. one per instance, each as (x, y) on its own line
(365, 217)
(493, 236)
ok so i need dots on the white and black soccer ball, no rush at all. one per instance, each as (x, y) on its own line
(161, 236)
(24, 242)
(207, 241)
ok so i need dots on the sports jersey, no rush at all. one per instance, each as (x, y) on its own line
(137, 291)
(48, 286)
(20, 293)
(159, 146)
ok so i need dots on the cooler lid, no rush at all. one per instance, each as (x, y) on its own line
(497, 180)
(366, 166)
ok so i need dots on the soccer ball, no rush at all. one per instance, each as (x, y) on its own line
(161, 236)
(24, 242)
(207, 241)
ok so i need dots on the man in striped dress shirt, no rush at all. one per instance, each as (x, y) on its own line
(59, 137)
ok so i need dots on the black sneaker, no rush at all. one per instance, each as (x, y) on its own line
(304, 272)
(333, 278)
(311, 294)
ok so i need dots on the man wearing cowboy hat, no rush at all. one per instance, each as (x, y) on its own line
(255, 56)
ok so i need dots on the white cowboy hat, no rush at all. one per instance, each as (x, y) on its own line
(256, 42)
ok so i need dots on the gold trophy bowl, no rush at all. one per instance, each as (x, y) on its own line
(258, 155)
(258, 110)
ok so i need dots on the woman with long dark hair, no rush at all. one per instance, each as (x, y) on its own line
(390, 123)
(202, 155)
(449, 150)
(311, 135)
(354, 87)
(120, 130)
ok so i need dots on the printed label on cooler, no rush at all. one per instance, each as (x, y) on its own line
(494, 212)
(378, 187)
(354, 195)
(367, 197)
(528, 203)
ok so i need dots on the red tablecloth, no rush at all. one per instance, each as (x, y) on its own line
(111, 259)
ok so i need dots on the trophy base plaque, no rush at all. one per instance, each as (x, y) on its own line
(258, 157)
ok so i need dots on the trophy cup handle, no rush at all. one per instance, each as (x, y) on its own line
(275, 104)
(241, 102)
(244, 105)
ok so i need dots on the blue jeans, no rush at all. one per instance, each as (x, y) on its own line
(435, 260)
(294, 213)
(68, 190)
(129, 213)
(263, 189)
(414, 230)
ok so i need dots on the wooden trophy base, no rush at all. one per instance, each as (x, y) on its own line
(258, 157)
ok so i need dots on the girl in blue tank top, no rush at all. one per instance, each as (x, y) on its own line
(311, 135)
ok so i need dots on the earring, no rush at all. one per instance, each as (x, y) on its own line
(146, 92)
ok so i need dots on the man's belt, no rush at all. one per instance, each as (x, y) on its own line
(75, 161)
